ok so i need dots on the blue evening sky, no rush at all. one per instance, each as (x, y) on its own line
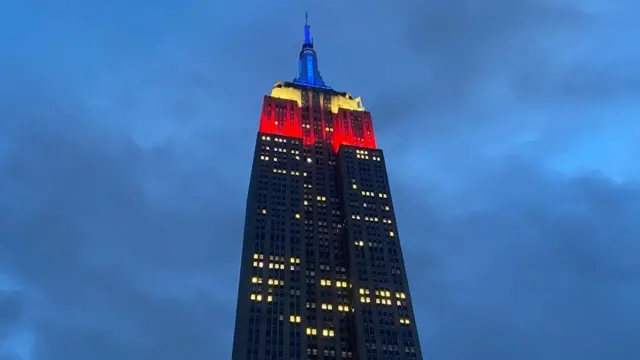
(510, 127)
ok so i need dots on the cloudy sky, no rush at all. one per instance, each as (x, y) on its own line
(510, 128)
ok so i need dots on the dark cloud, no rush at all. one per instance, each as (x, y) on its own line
(123, 222)
(543, 269)
(130, 249)
(471, 59)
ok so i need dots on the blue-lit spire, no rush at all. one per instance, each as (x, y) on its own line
(307, 29)
(308, 73)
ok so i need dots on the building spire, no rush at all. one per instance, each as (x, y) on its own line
(308, 73)
(307, 29)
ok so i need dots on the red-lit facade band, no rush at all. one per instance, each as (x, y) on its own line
(347, 127)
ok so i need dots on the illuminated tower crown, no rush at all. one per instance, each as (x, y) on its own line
(308, 73)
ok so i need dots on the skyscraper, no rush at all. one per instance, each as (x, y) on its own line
(322, 274)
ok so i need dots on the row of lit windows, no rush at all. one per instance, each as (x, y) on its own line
(258, 297)
(275, 282)
(371, 193)
(384, 301)
(327, 282)
(284, 171)
(380, 301)
(260, 264)
(340, 307)
(367, 218)
(405, 321)
(276, 258)
(266, 158)
(324, 332)
(382, 293)
(277, 139)
(282, 150)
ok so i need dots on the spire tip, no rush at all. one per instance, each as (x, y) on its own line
(307, 30)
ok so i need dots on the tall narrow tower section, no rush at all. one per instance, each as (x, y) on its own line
(322, 273)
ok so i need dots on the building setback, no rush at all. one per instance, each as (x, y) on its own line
(322, 273)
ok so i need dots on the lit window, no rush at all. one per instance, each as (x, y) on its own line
(269, 298)
(264, 211)
(354, 186)
(297, 216)
(391, 234)
(258, 297)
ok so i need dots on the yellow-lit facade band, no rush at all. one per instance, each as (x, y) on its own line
(348, 102)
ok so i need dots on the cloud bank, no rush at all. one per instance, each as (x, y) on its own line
(125, 149)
